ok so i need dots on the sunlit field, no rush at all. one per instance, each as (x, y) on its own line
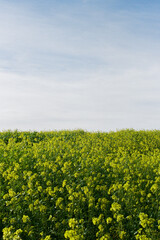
(79, 185)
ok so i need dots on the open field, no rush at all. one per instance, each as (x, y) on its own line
(78, 185)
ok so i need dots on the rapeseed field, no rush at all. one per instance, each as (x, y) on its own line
(79, 185)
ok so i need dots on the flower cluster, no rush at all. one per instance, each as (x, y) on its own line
(78, 185)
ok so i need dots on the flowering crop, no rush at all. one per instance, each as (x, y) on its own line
(78, 185)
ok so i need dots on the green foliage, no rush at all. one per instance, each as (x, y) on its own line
(78, 185)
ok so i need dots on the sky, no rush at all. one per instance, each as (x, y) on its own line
(79, 64)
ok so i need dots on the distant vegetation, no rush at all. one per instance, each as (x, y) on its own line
(79, 185)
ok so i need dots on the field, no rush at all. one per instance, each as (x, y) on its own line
(78, 185)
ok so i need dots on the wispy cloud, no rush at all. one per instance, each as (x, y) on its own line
(78, 66)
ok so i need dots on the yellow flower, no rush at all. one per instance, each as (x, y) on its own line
(11, 193)
(48, 237)
(115, 207)
(94, 220)
(154, 188)
(109, 220)
(25, 218)
(39, 189)
(72, 222)
(64, 183)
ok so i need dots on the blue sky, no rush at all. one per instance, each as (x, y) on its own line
(90, 64)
